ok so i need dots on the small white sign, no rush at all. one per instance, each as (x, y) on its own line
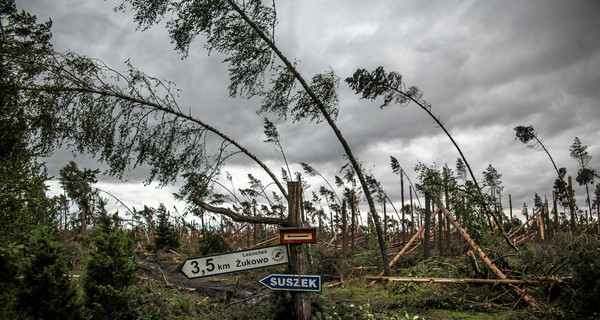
(235, 261)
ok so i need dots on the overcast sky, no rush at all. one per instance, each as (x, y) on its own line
(485, 67)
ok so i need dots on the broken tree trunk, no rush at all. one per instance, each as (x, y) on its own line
(466, 281)
(407, 245)
(529, 299)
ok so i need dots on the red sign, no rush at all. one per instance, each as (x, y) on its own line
(298, 235)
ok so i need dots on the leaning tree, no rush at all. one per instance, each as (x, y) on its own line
(244, 33)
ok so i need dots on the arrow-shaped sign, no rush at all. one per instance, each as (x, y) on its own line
(298, 235)
(235, 261)
(292, 282)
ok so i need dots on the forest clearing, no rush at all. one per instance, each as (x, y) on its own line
(316, 227)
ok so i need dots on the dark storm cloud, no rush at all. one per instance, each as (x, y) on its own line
(485, 66)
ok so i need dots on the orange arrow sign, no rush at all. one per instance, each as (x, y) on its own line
(301, 235)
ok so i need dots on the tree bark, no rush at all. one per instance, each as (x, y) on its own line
(239, 217)
(297, 263)
(427, 225)
(467, 281)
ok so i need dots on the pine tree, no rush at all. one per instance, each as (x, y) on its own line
(166, 235)
(110, 273)
(46, 290)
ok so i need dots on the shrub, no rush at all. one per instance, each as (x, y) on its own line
(109, 274)
(46, 290)
(166, 235)
(212, 242)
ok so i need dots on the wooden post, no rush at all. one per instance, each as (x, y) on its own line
(297, 264)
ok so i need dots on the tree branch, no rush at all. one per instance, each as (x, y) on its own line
(241, 218)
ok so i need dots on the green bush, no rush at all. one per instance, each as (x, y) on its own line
(212, 242)
(47, 292)
(566, 255)
(110, 273)
(166, 235)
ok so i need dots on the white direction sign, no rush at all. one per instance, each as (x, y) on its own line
(235, 261)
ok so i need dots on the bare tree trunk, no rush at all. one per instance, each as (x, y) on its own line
(427, 226)
(555, 208)
(466, 281)
(324, 112)
(344, 229)
(510, 208)
(353, 219)
(447, 203)
(402, 197)
(412, 216)
(385, 227)
(572, 207)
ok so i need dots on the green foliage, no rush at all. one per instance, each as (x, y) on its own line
(110, 273)
(525, 133)
(567, 255)
(78, 186)
(11, 267)
(372, 85)
(47, 291)
(35, 279)
(361, 312)
(166, 235)
(212, 242)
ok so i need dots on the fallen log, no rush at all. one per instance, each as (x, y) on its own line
(467, 281)
(264, 242)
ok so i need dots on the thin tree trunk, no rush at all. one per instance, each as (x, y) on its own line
(412, 216)
(427, 232)
(402, 197)
(466, 281)
(319, 104)
(447, 203)
(572, 207)
(510, 209)
(344, 229)
(353, 203)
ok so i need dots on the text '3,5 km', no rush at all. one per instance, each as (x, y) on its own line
(235, 261)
